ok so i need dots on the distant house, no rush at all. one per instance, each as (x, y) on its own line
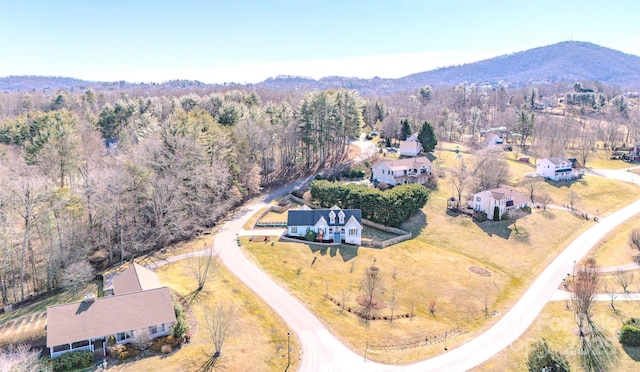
(410, 148)
(398, 172)
(559, 169)
(333, 224)
(494, 140)
(634, 152)
(500, 200)
(139, 306)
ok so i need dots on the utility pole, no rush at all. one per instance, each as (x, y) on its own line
(288, 350)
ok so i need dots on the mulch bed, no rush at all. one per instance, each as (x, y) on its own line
(376, 303)
(479, 271)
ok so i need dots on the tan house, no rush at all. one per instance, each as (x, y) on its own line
(140, 307)
(500, 200)
(402, 171)
(410, 148)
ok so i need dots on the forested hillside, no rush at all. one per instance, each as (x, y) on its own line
(89, 178)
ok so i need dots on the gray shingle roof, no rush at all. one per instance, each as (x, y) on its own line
(310, 217)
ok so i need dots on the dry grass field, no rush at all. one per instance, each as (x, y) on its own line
(557, 325)
(615, 249)
(259, 338)
(433, 268)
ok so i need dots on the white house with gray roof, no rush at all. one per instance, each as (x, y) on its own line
(559, 169)
(333, 224)
(500, 200)
(402, 171)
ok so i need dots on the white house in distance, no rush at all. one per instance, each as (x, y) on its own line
(559, 169)
(410, 148)
(140, 306)
(504, 199)
(402, 171)
(333, 224)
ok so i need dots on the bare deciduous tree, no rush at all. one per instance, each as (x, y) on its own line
(459, 180)
(624, 278)
(634, 238)
(220, 323)
(573, 198)
(532, 185)
(371, 283)
(202, 266)
(490, 169)
(22, 358)
(344, 297)
(393, 303)
(77, 274)
(585, 285)
(544, 199)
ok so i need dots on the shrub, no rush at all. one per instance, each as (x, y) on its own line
(526, 209)
(166, 349)
(629, 335)
(505, 217)
(310, 236)
(123, 351)
(160, 342)
(480, 216)
(180, 328)
(72, 360)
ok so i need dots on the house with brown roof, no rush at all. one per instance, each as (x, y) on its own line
(402, 171)
(499, 200)
(139, 307)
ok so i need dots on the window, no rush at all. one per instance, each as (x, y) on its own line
(478, 198)
(153, 330)
(78, 344)
(124, 335)
(353, 232)
(60, 348)
(294, 229)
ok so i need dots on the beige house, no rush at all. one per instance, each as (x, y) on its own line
(139, 307)
(402, 171)
(410, 148)
(500, 200)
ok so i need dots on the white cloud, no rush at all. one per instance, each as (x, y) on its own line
(384, 66)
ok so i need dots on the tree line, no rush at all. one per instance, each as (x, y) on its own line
(90, 179)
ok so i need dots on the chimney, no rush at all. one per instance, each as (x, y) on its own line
(89, 297)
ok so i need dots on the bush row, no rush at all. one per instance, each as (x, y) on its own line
(391, 207)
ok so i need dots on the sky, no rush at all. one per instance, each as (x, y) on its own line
(246, 41)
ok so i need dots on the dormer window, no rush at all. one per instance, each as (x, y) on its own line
(332, 217)
(341, 217)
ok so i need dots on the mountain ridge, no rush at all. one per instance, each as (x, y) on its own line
(566, 61)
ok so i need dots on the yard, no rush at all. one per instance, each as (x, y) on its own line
(434, 270)
(556, 323)
(258, 341)
(615, 249)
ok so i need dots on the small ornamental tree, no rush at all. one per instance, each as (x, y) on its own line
(543, 358)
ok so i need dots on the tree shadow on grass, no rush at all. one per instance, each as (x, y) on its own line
(346, 251)
(498, 228)
(415, 224)
(567, 184)
(632, 351)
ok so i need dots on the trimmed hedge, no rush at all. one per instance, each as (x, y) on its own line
(390, 208)
(629, 335)
(72, 360)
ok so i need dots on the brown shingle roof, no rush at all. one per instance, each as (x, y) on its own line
(135, 278)
(108, 315)
(407, 163)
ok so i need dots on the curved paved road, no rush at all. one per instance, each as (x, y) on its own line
(322, 351)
